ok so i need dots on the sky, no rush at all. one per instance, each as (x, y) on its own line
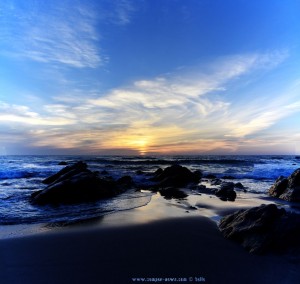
(144, 77)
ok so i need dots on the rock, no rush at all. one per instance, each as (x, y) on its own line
(193, 208)
(198, 174)
(201, 187)
(228, 177)
(239, 185)
(171, 192)
(63, 163)
(125, 181)
(77, 167)
(104, 172)
(262, 229)
(78, 188)
(139, 172)
(175, 176)
(158, 172)
(77, 184)
(216, 181)
(279, 187)
(210, 176)
(226, 192)
(287, 188)
(294, 179)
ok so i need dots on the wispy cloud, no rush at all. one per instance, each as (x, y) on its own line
(185, 111)
(24, 116)
(118, 12)
(124, 10)
(52, 33)
(261, 114)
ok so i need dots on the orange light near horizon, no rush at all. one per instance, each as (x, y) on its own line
(141, 144)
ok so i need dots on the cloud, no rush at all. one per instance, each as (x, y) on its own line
(261, 114)
(187, 111)
(55, 33)
(124, 9)
(118, 12)
(23, 115)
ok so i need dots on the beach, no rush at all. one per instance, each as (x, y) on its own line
(170, 244)
(165, 235)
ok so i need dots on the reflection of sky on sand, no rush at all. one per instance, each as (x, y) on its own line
(159, 208)
(195, 204)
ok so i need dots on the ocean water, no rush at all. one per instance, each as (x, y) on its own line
(20, 176)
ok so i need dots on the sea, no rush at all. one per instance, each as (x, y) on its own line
(20, 176)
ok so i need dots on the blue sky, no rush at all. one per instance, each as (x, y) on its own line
(149, 77)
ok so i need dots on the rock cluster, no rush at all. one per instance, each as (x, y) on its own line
(75, 184)
(176, 176)
(169, 180)
(287, 188)
(262, 229)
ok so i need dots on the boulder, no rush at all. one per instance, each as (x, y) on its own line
(287, 188)
(171, 192)
(176, 176)
(262, 229)
(77, 167)
(216, 181)
(226, 192)
(279, 186)
(62, 163)
(125, 181)
(228, 177)
(239, 185)
(210, 176)
(77, 184)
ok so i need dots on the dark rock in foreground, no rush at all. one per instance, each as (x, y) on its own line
(262, 229)
(176, 176)
(77, 184)
(287, 188)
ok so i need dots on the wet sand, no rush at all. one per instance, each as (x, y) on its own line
(160, 243)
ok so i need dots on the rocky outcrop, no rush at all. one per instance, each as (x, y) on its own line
(77, 184)
(287, 188)
(262, 229)
(176, 176)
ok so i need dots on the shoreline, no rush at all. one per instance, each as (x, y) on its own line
(158, 208)
(164, 240)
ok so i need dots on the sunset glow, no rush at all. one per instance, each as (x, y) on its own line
(149, 77)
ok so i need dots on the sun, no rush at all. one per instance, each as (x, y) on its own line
(138, 143)
(141, 144)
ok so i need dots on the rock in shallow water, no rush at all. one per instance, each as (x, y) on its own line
(262, 229)
(226, 192)
(176, 176)
(77, 184)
